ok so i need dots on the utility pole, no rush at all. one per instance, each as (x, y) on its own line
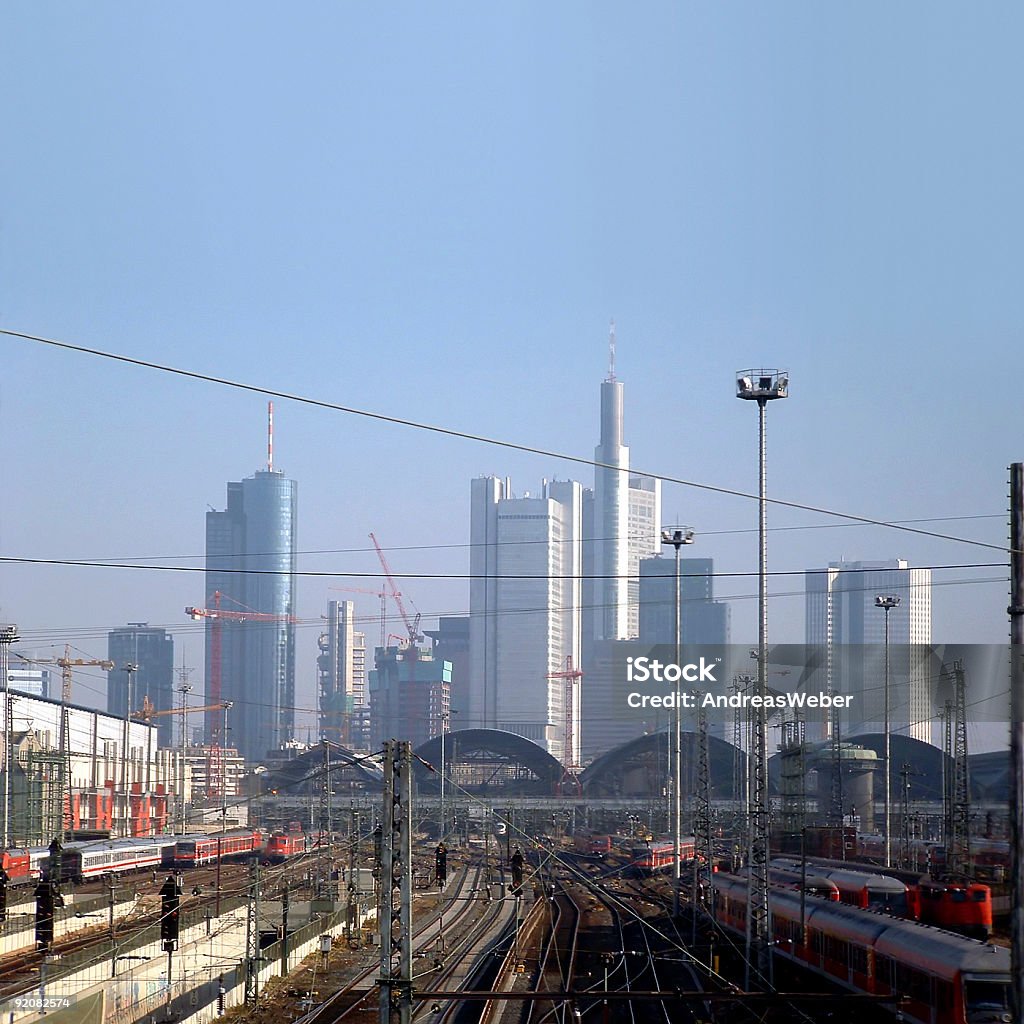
(184, 690)
(958, 854)
(129, 671)
(252, 937)
(1016, 614)
(8, 636)
(394, 912)
(702, 824)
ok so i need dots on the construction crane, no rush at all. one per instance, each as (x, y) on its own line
(65, 665)
(218, 615)
(149, 711)
(412, 626)
(570, 702)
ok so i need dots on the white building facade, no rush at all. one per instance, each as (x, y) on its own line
(525, 611)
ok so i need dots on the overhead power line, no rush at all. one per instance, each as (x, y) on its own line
(480, 438)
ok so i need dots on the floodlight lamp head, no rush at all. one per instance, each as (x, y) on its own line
(886, 601)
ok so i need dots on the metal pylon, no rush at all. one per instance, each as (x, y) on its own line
(395, 909)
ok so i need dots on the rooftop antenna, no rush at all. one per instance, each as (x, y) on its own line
(270, 437)
(611, 351)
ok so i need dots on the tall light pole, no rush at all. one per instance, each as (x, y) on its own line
(445, 720)
(8, 636)
(677, 536)
(887, 602)
(128, 670)
(761, 386)
(184, 690)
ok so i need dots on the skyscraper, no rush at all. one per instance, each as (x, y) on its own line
(525, 615)
(250, 562)
(342, 671)
(151, 650)
(845, 632)
(703, 619)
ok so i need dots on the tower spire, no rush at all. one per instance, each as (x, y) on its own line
(270, 437)
(611, 352)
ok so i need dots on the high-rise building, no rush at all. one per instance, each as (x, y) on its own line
(703, 620)
(31, 679)
(525, 610)
(644, 525)
(409, 695)
(451, 643)
(611, 520)
(845, 634)
(151, 650)
(342, 672)
(250, 563)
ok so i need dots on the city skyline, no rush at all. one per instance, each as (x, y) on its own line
(447, 244)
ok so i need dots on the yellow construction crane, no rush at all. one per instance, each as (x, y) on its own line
(149, 712)
(65, 665)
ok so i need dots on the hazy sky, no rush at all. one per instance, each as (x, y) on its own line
(433, 211)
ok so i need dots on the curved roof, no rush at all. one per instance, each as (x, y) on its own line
(306, 766)
(639, 767)
(504, 760)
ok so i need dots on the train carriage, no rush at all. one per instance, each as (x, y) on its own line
(944, 978)
(196, 851)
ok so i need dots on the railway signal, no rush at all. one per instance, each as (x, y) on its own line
(516, 864)
(48, 897)
(441, 863)
(170, 903)
(3, 895)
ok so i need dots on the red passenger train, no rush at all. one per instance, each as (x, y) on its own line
(195, 852)
(657, 856)
(944, 978)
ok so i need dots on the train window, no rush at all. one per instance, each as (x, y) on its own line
(884, 972)
(958, 896)
(859, 959)
(986, 995)
(979, 895)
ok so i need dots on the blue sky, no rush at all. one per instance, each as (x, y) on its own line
(434, 212)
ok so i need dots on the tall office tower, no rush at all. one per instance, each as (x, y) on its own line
(525, 616)
(644, 527)
(341, 668)
(410, 695)
(703, 619)
(611, 515)
(250, 562)
(151, 650)
(845, 634)
(451, 644)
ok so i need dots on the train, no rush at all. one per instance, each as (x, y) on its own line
(943, 978)
(23, 865)
(964, 907)
(811, 883)
(656, 856)
(197, 851)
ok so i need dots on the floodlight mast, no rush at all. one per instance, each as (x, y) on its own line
(761, 386)
(677, 536)
(887, 602)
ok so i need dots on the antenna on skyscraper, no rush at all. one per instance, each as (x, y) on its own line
(611, 351)
(270, 437)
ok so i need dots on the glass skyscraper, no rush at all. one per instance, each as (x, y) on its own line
(151, 650)
(250, 562)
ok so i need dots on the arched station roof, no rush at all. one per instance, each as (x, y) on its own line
(489, 761)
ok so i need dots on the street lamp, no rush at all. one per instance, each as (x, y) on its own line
(445, 720)
(8, 636)
(887, 602)
(677, 536)
(761, 386)
(184, 690)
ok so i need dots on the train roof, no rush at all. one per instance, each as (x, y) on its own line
(845, 876)
(926, 947)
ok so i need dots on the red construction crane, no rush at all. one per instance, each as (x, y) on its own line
(570, 702)
(217, 615)
(412, 626)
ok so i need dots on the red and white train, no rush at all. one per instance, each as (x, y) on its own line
(197, 851)
(941, 977)
(656, 856)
